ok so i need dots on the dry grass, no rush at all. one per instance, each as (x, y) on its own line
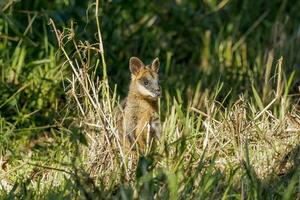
(207, 150)
(246, 136)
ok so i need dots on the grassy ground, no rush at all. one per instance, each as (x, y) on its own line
(230, 105)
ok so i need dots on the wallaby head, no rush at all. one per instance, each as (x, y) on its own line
(144, 79)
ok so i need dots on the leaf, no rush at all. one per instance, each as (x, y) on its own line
(257, 98)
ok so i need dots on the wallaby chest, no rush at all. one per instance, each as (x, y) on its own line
(141, 112)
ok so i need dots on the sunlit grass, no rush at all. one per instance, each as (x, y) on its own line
(232, 135)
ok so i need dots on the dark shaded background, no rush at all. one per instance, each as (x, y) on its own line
(201, 44)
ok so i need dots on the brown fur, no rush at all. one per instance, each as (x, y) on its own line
(139, 121)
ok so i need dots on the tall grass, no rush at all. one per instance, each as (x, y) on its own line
(58, 133)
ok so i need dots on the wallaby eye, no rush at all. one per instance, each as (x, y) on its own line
(146, 82)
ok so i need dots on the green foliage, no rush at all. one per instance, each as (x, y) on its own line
(227, 73)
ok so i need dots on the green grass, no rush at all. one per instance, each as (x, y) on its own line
(230, 105)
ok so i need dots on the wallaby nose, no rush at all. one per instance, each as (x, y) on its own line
(158, 92)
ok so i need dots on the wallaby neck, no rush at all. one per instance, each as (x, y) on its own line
(135, 98)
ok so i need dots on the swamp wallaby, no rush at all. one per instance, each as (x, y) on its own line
(139, 122)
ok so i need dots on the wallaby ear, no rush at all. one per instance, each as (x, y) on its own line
(155, 65)
(135, 65)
